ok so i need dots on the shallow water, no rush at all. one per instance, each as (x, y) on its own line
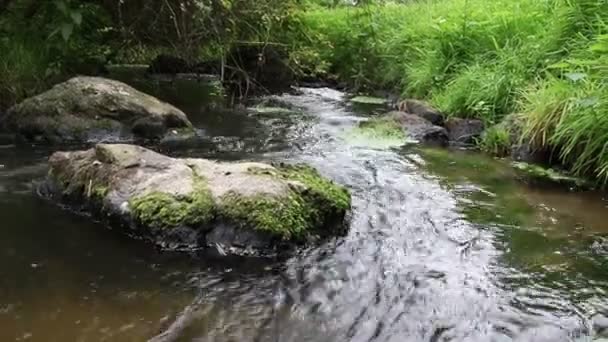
(443, 246)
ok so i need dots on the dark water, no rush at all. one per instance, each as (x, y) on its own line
(443, 246)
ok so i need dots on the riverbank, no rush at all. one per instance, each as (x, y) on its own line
(479, 59)
(542, 60)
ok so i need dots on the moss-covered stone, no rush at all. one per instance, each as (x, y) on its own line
(381, 128)
(378, 133)
(81, 178)
(192, 201)
(369, 100)
(540, 174)
(287, 218)
(311, 203)
(83, 109)
(162, 210)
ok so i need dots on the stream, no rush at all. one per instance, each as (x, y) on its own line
(443, 246)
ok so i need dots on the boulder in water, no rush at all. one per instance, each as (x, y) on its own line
(91, 109)
(419, 129)
(239, 208)
(464, 131)
(421, 109)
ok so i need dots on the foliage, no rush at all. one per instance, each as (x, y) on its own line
(46, 41)
(483, 59)
(568, 109)
(42, 42)
(496, 140)
(471, 58)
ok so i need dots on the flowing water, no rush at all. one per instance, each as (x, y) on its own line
(443, 246)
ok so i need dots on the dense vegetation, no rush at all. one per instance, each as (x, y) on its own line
(544, 59)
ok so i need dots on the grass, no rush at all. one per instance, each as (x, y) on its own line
(483, 59)
(496, 141)
(24, 68)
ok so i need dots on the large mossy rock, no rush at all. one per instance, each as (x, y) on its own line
(86, 109)
(240, 208)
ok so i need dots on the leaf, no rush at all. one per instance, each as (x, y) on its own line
(599, 47)
(76, 17)
(66, 30)
(588, 101)
(575, 76)
(62, 6)
(560, 65)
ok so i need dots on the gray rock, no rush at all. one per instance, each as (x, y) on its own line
(422, 109)
(244, 208)
(420, 129)
(464, 131)
(91, 108)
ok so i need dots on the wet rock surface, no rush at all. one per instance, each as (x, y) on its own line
(548, 176)
(422, 109)
(464, 131)
(418, 128)
(185, 204)
(85, 109)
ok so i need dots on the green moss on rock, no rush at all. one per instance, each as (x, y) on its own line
(381, 132)
(370, 100)
(541, 174)
(163, 210)
(288, 218)
(312, 202)
(334, 195)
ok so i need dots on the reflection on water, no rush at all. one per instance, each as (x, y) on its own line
(442, 247)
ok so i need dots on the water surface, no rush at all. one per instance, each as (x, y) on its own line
(443, 246)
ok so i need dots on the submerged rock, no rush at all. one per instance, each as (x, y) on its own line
(464, 131)
(543, 175)
(403, 126)
(91, 109)
(238, 208)
(369, 100)
(419, 129)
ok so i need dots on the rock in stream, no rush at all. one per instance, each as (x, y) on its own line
(242, 208)
(85, 109)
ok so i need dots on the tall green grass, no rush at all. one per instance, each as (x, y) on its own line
(24, 69)
(483, 59)
(569, 109)
(470, 57)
